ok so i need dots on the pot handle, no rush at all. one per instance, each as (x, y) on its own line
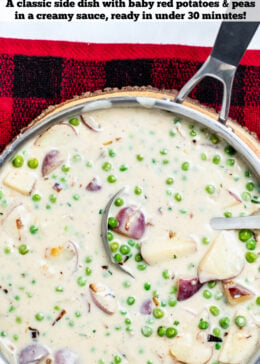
(230, 45)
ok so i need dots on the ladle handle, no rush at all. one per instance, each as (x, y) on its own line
(232, 41)
(230, 45)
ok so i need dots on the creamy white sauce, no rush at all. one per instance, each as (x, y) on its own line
(51, 279)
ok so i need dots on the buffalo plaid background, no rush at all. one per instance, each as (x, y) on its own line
(36, 74)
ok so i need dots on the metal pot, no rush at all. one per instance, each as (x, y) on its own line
(232, 41)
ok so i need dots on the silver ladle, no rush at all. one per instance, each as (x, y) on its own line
(240, 222)
(104, 231)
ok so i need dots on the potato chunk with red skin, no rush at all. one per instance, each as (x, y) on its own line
(236, 293)
(51, 161)
(103, 297)
(187, 288)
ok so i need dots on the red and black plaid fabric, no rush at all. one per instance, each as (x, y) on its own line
(36, 74)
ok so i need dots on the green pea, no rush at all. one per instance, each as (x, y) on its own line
(81, 281)
(147, 286)
(88, 271)
(240, 321)
(245, 235)
(218, 346)
(203, 325)
(246, 196)
(33, 229)
(147, 331)
(203, 157)
(258, 300)
(138, 190)
(89, 164)
(128, 321)
(76, 158)
(59, 289)
(216, 159)
(3, 333)
(18, 320)
(193, 133)
(174, 289)
(138, 257)
(141, 266)
(172, 133)
(7, 250)
(23, 249)
(214, 139)
(230, 162)
(77, 314)
(171, 332)
(212, 284)
(126, 284)
(210, 189)
(111, 153)
(172, 302)
(227, 214)
(52, 198)
(131, 242)
(33, 163)
(216, 332)
(161, 331)
(207, 294)
(71, 323)
(178, 197)
(124, 249)
(251, 244)
(119, 202)
(123, 168)
(130, 300)
(140, 157)
(76, 197)
(158, 313)
(166, 274)
(224, 322)
(214, 310)
(74, 121)
(250, 257)
(169, 181)
(39, 316)
(65, 168)
(107, 166)
(229, 150)
(118, 258)
(117, 359)
(250, 186)
(18, 161)
(185, 166)
(111, 178)
(205, 240)
(163, 151)
(36, 197)
(112, 222)
(110, 236)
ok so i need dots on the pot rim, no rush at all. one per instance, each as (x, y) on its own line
(166, 104)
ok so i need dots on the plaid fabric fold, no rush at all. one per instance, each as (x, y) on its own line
(35, 74)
